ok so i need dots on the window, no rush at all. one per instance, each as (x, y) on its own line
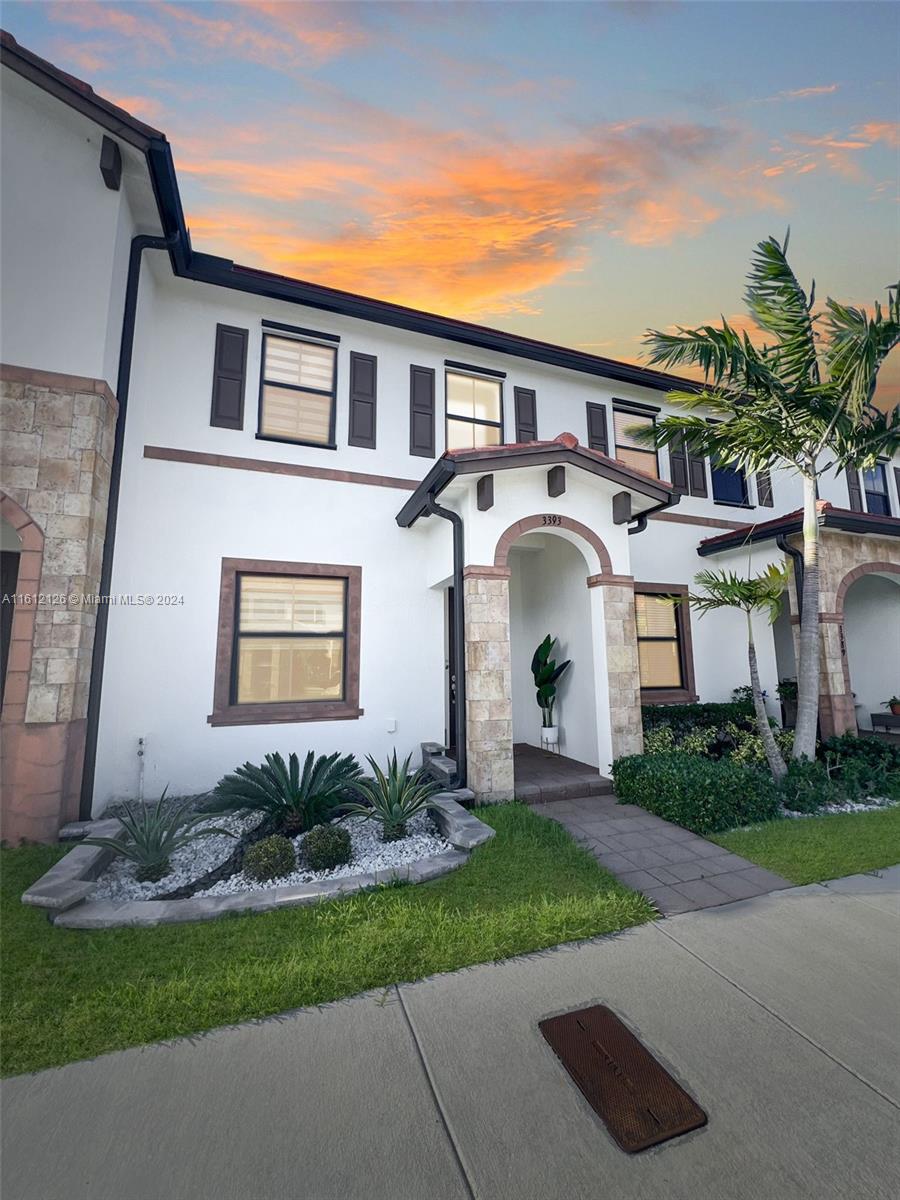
(288, 647)
(630, 451)
(474, 411)
(875, 485)
(664, 643)
(296, 393)
(729, 484)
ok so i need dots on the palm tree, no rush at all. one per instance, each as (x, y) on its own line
(803, 401)
(763, 593)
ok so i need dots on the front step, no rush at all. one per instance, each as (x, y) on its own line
(568, 789)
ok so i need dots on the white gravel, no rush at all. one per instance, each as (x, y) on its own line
(873, 804)
(198, 858)
(191, 862)
(369, 853)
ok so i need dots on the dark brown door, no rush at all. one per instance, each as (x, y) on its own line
(451, 675)
(9, 574)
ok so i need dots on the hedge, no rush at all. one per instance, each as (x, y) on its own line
(700, 794)
(684, 717)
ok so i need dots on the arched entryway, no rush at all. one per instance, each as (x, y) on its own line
(869, 601)
(547, 595)
(573, 594)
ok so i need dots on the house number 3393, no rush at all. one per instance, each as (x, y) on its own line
(552, 519)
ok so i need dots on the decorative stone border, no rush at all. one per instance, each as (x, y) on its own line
(63, 890)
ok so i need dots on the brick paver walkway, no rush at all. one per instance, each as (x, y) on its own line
(678, 870)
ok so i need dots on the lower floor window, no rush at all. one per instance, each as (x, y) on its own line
(288, 643)
(664, 645)
(289, 639)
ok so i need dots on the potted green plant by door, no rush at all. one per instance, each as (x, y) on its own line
(546, 672)
(894, 705)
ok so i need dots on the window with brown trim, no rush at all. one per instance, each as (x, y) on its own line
(288, 643)
(628, 449)
(665, 653)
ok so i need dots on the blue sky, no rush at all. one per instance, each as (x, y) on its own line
(574, 172)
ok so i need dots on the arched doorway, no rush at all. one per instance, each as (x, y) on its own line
(871, 610)
(548, 595)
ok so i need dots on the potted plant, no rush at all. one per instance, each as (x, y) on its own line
(546, 673)
(894, 705)
(787, 694)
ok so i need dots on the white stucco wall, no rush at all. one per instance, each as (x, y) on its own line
(64, 239)
(872, 634)
(548, 594)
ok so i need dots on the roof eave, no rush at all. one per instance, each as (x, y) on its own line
(845, 522)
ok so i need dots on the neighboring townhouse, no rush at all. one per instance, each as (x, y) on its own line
(328, 522)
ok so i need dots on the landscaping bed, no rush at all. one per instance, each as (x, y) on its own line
(68, 995)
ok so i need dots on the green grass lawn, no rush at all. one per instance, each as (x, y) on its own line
(69, 994)
(817, 848)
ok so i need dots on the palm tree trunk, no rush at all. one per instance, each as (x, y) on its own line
(809, 640)
(773, 754)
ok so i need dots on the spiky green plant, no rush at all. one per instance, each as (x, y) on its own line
(393, 796)
(292, 801)
(153, 835)
(801, 402)
(546, 672)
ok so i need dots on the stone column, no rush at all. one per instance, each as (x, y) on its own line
(623, 671)
(489, 730)
(57, 441)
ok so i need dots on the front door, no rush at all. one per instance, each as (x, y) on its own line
(451, 675)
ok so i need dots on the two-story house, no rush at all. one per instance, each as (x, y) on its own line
(316, 520)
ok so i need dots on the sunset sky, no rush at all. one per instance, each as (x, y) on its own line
(573, 172)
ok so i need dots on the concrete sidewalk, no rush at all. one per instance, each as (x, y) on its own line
(778, 1014)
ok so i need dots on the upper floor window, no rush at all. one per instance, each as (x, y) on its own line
(628, 449)
(875, 485)
(474, 411)
(729, 484)
(297, 390)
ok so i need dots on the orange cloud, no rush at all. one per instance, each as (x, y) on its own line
(435, 220)
(881, 131)
(143, 107)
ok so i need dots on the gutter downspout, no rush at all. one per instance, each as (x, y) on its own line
(640, 523)
(139, 244)
(459, 630)
(796, 557)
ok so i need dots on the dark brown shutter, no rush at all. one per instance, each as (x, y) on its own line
(696, 466)
(678, 466)
(363, 393)
(421, 411)
(897, 482)
(229, 377)
(855, 490)
(598, 438)
(526, 415)
(764, 489)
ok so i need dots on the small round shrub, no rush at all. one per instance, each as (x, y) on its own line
(326, 846)
(270, 858)
(806, 788)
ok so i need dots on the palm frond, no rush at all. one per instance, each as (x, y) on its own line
(858, 345)
(780, 306)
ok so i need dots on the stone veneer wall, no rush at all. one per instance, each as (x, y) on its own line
(623, 669)
(57, 441)
(843, 558)
(489, 725)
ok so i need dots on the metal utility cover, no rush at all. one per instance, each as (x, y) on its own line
(637, 1099)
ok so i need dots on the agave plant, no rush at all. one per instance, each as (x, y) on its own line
(292, 801)
(393, 797)
(153, 835)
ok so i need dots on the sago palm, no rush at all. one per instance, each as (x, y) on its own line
(763, 593)
(292, 801)
(801, 402)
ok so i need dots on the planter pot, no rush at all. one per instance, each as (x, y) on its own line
(789, 710)
(549, 735)
(895, 709)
